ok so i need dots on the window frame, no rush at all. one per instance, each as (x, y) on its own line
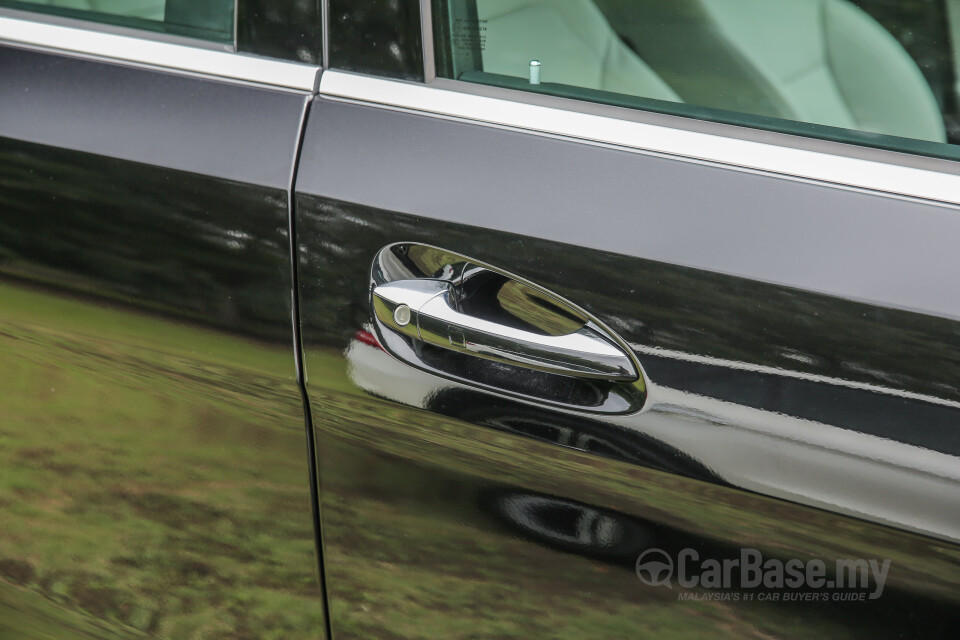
(786, 155)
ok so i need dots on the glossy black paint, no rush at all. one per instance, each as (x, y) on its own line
(155, 464)
(168, 120)
(288, 29)
(892, 252)
(220, 271)
(380, 37)
(184, 260)
(433, 460)
(781, 419)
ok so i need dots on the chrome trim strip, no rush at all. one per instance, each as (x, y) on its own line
(123, 48)
(325, 33)
(426, 31)
(789, 373)
(734, 152)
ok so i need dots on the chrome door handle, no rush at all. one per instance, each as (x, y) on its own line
(424, 310)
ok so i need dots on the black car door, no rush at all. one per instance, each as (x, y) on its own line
(762, 439)
(153, 462)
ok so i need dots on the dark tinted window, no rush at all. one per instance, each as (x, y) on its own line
(380, 37)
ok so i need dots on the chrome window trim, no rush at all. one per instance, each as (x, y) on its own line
(426, 36)
(624, 128)
(325, 33)
(102, 44)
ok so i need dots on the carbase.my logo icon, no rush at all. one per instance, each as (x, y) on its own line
(655, 567)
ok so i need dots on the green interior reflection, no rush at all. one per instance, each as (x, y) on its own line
(204, 19)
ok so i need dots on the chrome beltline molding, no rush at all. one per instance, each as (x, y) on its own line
(789, 373)
(223, 64)
(758, 156)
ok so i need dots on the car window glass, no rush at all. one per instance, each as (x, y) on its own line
(206, 19)
(875, 72)
(380, 37)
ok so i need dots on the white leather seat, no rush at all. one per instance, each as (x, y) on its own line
(832, 64)
(820, 61)
(573, 42)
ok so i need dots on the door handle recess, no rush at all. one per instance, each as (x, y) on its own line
(425, 310)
